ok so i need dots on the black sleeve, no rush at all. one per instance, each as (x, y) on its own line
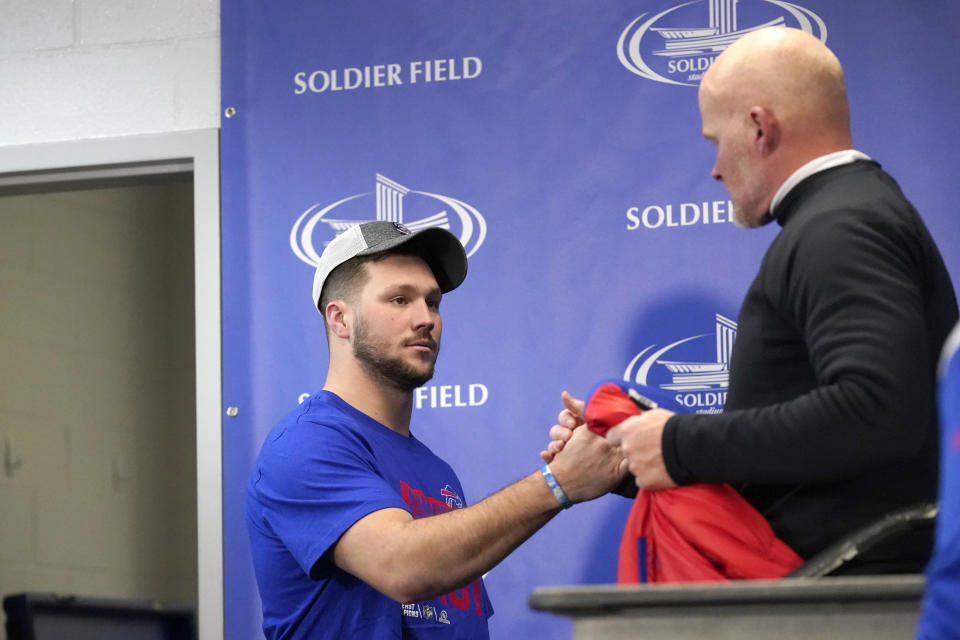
(854, 289)
(627, 487)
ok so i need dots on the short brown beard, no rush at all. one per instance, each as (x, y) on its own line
(392, 371)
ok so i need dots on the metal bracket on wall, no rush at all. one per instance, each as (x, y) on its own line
(11, 461)
(120, 474)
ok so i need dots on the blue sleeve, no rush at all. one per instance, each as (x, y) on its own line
(940, 613)
(316, 481)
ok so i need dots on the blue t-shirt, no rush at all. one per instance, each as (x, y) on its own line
(940, 614)
(325, 466)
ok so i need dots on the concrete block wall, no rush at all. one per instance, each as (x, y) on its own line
(76, 69)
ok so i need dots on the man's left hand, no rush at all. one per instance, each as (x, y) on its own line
(640, 438)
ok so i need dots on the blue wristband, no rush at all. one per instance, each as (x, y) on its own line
(555, 487)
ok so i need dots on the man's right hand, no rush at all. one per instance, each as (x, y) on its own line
(569, 419)
(588, 466)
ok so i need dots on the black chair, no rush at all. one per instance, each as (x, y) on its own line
(47, 616)
(899, 542)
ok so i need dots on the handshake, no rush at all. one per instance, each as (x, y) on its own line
(632, 426)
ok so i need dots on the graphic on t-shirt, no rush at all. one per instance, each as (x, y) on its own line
(451, 496)
(463, 599)
(422, 505)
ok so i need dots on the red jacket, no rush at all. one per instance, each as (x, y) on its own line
(694, 533)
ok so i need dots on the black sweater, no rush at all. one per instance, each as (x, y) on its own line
(830, 419)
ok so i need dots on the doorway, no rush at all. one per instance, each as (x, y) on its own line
(109, 371)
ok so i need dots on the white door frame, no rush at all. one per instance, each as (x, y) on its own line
(153, 154)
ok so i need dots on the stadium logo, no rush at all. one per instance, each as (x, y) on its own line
(667, 47)
(416, 210)
(698, 386)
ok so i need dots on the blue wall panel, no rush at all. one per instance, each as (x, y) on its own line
(564, 148)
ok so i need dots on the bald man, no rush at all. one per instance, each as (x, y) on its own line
(830, 417)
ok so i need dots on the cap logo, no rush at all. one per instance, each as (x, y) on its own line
(402, 229)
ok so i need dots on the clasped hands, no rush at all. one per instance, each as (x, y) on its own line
(638, 437)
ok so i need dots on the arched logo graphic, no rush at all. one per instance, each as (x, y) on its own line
(677, 45)
(700, 383)
(416, 210)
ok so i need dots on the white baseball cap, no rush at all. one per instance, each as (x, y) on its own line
(439, 248)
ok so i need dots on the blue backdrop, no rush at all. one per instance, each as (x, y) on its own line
(560, 140)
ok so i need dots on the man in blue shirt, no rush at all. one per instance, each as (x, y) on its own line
(337, 503)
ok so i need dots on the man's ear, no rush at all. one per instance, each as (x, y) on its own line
(338, 318)
(767, 129)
